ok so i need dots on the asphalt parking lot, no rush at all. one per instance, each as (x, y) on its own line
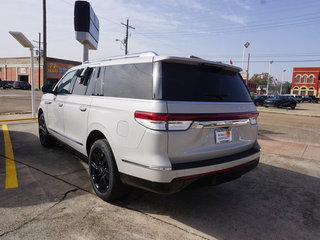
(277, 200)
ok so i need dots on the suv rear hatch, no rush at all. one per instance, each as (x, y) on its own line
(210, 112)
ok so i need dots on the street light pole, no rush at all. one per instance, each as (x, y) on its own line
(246, 45)
(248, 69)
(32, 83)
(282, 80)
(269, 77)
(27, 44)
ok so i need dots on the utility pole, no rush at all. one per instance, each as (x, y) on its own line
(248, 69)
(127, 35)
(44, 43)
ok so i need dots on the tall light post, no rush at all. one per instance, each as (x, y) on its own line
(282, 78)
(269, 77)
(27, 44)
(246, 45)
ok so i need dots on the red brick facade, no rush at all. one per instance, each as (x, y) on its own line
(18, 69)
(306, 81)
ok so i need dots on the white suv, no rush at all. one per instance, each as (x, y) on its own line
(158, 123)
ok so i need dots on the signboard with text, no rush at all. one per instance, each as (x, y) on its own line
(56, 70)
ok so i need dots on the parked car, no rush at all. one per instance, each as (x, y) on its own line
(2, 84)
(259, 99)
(310, 98)
(280, 101)
(144, 120)
(21, 85)
(8, 84)
(298, 98)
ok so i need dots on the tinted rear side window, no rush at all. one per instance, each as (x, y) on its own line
(185, 82)
(128, 81)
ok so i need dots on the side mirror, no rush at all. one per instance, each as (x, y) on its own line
(46, 88)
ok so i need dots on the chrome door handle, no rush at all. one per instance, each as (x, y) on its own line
(60, 104)
(83, 108)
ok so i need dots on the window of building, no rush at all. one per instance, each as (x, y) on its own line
(304, 80)
(298, 78)
(311, 79)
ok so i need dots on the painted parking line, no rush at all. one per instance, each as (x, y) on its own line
(20, 119)
(11, 171)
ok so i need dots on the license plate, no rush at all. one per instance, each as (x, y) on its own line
(223, 135)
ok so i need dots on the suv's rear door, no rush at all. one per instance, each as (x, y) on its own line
(218, 106)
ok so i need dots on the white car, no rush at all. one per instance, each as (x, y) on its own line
(158, 123)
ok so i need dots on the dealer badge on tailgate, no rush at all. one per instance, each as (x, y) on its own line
(223, 135)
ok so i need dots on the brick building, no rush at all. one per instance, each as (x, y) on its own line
(306, 81)
(251, 85)
(18, 69)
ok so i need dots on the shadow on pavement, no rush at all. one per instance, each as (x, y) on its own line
(44, 174)
(267, 203)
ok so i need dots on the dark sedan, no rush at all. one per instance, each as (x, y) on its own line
(259, 99)
(21, 85)
(281, 101)
(310, 98)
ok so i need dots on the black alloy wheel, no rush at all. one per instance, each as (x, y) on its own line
(293, 106)
(104, 175)
(99, 169)
(45, 139)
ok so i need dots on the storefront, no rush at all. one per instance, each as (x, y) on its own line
(18, 69)
(306, 81)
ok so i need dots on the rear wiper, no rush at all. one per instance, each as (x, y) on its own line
(218, 95)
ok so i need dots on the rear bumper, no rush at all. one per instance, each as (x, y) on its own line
(203, 179)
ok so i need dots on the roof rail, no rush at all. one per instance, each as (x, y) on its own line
(134, 55)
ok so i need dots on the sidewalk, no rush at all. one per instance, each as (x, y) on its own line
(291, 149)
(17, 117)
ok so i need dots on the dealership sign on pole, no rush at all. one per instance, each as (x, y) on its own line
(86, 26)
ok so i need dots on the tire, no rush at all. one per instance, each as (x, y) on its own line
(293, 106)
(256, 103)
(45, 139)
(104, 175)
(280, 105)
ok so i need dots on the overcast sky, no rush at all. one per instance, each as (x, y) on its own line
(285, 31)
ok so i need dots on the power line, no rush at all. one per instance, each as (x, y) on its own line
(235, 29)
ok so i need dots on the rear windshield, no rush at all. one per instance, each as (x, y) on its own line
(185, 82)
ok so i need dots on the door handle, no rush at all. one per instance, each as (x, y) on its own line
(47, 102)
(83, 108)
(60, 104)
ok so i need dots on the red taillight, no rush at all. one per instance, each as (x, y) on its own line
(182, 121)
(161, 121)
(151, 116)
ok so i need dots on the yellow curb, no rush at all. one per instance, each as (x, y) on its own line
(21, 119)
